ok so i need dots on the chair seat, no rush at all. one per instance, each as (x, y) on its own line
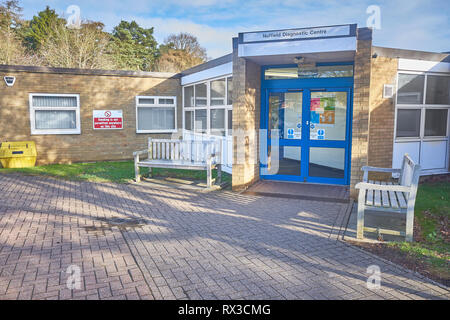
(386, 199)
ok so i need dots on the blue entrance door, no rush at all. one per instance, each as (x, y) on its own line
(307, 135)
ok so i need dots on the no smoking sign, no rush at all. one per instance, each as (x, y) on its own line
(108, 119)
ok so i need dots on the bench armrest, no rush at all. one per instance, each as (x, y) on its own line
(140, 152)
(382, 187)
(376, 169)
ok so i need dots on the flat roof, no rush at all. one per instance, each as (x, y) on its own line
(97, 72)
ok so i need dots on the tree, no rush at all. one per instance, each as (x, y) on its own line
(11, 48)
(180, 52)
(134, 47)
(84, 48)
(41, 27)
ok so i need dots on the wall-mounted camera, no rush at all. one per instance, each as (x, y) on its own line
(9, 80)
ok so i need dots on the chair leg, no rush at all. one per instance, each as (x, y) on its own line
(219, 174)
(209, 176)
(360, 222)
(409, 224)
(136, 169)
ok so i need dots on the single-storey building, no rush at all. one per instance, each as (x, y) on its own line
(301, 105)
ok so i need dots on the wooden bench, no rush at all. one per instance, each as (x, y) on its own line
(391, 197)
(181, 154)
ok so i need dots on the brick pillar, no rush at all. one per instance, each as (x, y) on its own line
(360, 129)
(246, 118)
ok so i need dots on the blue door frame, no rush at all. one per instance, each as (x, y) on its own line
(344, 84)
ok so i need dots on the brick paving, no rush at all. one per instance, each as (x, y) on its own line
(174, 243)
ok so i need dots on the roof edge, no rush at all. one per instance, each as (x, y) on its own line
(411, 54)
(96, 72)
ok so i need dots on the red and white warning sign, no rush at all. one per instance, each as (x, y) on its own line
(108, 119)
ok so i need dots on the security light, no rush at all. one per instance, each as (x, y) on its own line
(9, 80)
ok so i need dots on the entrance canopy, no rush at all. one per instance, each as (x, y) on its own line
(318, 44)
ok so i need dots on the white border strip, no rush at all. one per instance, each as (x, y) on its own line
(220, 70)
(423, 65)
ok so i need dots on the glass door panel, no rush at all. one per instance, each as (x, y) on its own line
(328, 116)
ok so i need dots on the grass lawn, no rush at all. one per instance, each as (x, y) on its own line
(432, 240)
(119, 172)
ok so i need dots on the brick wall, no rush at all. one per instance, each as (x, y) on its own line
(382, 115)
(246, 117)
(97, 92)
(360, 128)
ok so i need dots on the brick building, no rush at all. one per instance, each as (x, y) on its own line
(299, 105)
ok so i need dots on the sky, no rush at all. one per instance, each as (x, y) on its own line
(407, 24)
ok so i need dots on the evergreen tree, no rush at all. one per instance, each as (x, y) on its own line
(41, 27)
(134, 47)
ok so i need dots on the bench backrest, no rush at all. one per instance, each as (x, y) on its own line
(410, 173)
(184, 150)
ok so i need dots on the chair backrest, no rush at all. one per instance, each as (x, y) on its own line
(183, 150)
(410, 173)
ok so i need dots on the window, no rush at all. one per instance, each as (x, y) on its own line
(230, 91)
(408, 123)
(200, 95)
(438, 90)
(155, 114)
(410, 88)
(55, 113)
(207, 106)
(336, 71)
(436, 122)
(422, 113)
(218, 92)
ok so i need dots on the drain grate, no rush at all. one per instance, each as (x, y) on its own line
(121, 223)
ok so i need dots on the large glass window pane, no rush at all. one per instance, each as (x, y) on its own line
(200, 121)
(328, 112)
(217, 122)
(188, 97)
(230, 91)
(230, 122)
(408, 123)
(156, 118)
(54, 101)
(410, 88)
(438, 90)
(217, 94)
(436, 122)
(292, 110)
(55, 119)
(315, 72)
(327, 162)
(284, 160)
(200, 94)
(189, 120)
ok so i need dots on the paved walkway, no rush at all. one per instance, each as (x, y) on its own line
(150, 242)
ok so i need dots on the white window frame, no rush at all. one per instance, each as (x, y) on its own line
(423, 106)
(208, 105)
(33, 110)
(157, 105)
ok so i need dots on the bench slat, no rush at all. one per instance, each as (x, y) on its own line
(369, 201)
(385, 196)
(401, 199)
(393, 198)
(377, 196)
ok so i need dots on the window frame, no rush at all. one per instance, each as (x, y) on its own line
(156, 105)
(33, 110)
(208, 107)
(423, 107)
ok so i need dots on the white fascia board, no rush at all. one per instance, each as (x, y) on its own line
(220, 70)
(294, 47)
(423, 65)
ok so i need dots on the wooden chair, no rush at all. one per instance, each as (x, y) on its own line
(391, 197)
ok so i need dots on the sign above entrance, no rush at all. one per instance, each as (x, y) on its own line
(297, 34)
